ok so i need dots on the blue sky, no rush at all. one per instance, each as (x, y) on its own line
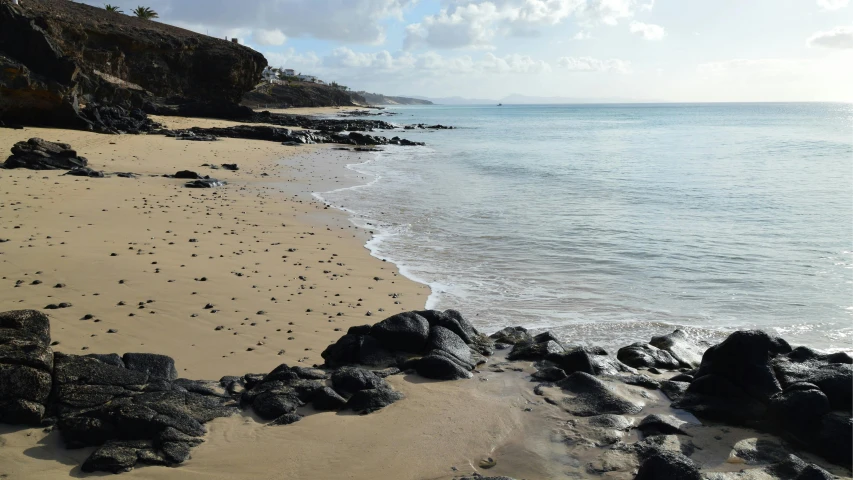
(670, 50)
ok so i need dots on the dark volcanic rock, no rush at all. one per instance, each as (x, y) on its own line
(26, 366)
(591, 396)
(741, 381)
(440, 338)
(57, 54)
(668, 466)
(643, 355)
(743, 358)
(405, 331)
(512, 335)
(205, 183)
(674, 390)
(531, 350)
(832, 375)
(187, 174)
(38, 154)
(682, 349)
(657, 424)
(156, 366)
(370, 400)
(549, 374)
(349, 380)
(441, 365)
(85, 172)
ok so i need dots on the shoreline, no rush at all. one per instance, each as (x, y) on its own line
(113, 244)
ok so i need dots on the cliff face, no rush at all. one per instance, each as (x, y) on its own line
(55, 54)
(299, 94)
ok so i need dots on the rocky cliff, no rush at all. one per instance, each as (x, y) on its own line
(56, 55)
(300, 94)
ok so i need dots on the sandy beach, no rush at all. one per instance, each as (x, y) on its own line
(249, 276)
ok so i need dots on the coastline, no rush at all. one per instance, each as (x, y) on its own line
(115, 243)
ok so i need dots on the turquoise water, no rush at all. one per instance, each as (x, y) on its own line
(611, 223)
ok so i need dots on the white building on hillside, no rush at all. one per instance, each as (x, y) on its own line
(290, 72)
(307, 78)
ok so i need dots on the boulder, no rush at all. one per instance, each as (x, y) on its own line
(549, 374)
(445, 340)
(349, 380)
(682, 349)
(407, 332)
(674, 390)
(661, 424)
(590, 396)
(668, 466)
(834, 440)
(440, 365)
(343, 352)
(754, 451)
(512, 335)
(531, 350)
(373, 399)
(84, 172)
(643, 355)
(453, 321)
(156, 366)
(38, 154)
(26, 366)
(187, 174)
(205, 183)
(744, 360)
(833, 377)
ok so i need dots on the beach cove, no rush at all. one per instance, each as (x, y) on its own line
(150, 266)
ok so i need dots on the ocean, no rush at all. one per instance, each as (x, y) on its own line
(608, 224)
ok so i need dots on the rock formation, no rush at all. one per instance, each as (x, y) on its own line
(38, 154)
(56, 55)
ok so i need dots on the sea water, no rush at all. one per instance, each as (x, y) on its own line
(608, 224)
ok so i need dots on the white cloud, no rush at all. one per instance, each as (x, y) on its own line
(608, 12)
(304, 62)
(838, 37)
(463, 26)
(763, 67)
(474, 23)
(647, 30)
(360, 65)
(832, 4)
(589, 64)
(582, 35)
(268, 37)
(356, 21)
(513, 64)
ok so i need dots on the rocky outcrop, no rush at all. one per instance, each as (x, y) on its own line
(56, 55)
(436, 344)
(26, 365)
(300, 94)
(289, 136)
(755, 379)
(38, 154)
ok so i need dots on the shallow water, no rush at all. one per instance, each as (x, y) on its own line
(611, 223)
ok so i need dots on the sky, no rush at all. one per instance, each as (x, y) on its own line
(642, 50)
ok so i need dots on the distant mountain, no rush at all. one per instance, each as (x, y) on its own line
(518, 99)
(379, 99)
